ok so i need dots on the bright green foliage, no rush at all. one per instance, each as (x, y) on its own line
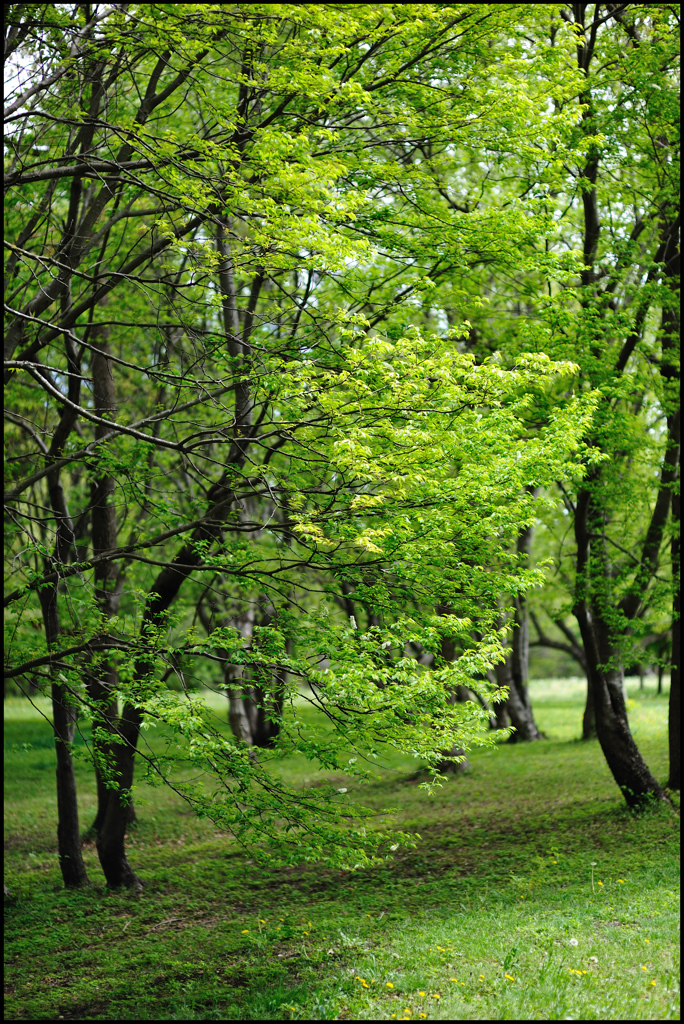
(279, 219)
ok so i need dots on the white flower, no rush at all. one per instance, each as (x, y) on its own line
(395, 847)
(574, 942)
(341, 790)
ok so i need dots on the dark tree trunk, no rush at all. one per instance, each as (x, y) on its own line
(589, 717)
(514, 671)
(108, 582)
(111, 836)
(64, 715)
(674, 722)
(628, 767)
(459, 695)
(71, 863)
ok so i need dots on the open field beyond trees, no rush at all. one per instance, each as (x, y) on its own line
(491, 917)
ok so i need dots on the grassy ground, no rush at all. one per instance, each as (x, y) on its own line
(492, 917)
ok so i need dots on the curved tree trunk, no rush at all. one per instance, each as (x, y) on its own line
(624, 759)
(111, 836)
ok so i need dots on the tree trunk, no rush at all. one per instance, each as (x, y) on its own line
(629, 769)
(589, 717)
(674, 723)
(71, 863)
(254, 707)
(514, 671)
(111, 834)
(459, 695)
(108, 583)
(110, 839)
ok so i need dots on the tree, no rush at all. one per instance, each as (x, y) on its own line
(618, 204)
(225, 206)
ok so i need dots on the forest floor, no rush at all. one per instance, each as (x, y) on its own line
(493, 916)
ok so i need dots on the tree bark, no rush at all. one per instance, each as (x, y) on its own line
(624, 759)
(514, 671)
(458, 695)
(674, 720)
(111, 836)
(102, 684)
(71, 863)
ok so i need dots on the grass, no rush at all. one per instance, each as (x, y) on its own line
(492, 917)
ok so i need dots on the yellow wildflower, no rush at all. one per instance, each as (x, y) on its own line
(389, 984)
(245, 930)
(509, 976)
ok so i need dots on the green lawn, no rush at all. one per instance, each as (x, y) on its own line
(492, 917)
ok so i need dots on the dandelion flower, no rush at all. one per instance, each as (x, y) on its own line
(245, 930)
(644, 968)
(482, 977)
(653, 982)
(574, 942)
(306, 933)
(389, 984)
(261, 921)
(421, 993)
(647, 940)
(454, 979)
(600, 883)
(509, 976)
